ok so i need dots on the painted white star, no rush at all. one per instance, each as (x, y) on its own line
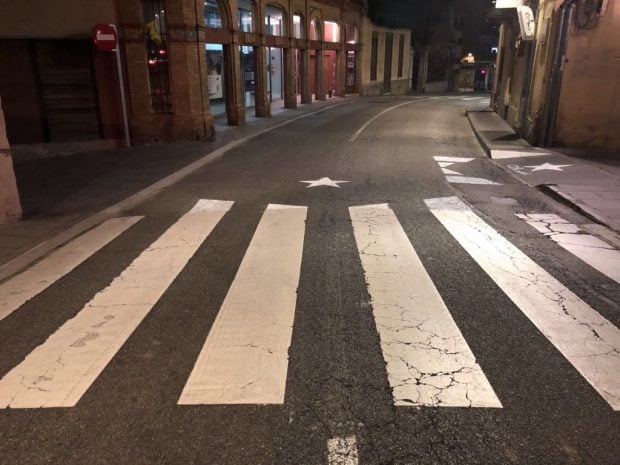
(548, 167)
(323, 182)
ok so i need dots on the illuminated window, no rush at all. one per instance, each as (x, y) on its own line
(213, 18)
(298, 30)
(314, 30)
(157, 56)
(332, 32)
(350, 33)
(274, 21)
(245, 15)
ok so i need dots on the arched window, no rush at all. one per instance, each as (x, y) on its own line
(332, 31)
(213, 18)
(314, 30)
(274, 21)
(350, 34)
(245, 14)
(157, 55)
(298, 26)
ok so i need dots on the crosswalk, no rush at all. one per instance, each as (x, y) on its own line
(245, 360)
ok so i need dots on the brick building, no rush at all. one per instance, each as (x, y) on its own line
(185, 63)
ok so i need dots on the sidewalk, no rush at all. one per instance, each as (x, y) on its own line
(63, 197)
(588, 180)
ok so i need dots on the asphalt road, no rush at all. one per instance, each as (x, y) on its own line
(337, 384)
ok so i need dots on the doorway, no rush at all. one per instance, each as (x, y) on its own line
(215, 78)
(351, 72)
(330, 82)
(248, 66)
(275, 75)
(387, 69)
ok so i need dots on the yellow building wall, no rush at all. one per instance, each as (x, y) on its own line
(589, 112)
(400, 85)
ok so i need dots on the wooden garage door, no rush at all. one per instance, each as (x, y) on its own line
(67, 89)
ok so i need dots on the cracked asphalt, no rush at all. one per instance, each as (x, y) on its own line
(337, 383)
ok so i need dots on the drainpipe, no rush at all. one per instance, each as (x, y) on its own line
(552, 102)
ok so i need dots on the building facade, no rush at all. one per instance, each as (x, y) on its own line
(561, 87)
(184, 64)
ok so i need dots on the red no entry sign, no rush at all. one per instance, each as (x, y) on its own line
(105, 37)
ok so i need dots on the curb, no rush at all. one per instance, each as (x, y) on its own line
(551, 190)
(22, 261)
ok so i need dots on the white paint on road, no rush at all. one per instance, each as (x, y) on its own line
(342, 451)
(428, 360)
(58, 372)
(452, 159)
(371, 120)
(324, 182)
(587, 340)
(23, 287)
(595, 252)
(245, 357)
(547, 167)
(451, 172)
(468, 180)
(444, 164)
(503, 154)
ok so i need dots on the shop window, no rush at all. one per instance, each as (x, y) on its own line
(245, 15)
(401, 53)
(332, 32)
(350, 33)
(298, 30)
(314, 30)
(213, 18)
(374, 50)
(157, 56)
(274, 21)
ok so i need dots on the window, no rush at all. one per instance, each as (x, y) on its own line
(274, 21)
(401, 52)
(298, 32)
(212, 14)
(314, 30)
(350, 33)
(374, 50)
(245, 15)
(157, 56)
(332, 31)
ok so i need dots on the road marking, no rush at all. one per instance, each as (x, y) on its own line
(58, 372)
(371, 120)
(583, 336)
(467, 180)
(428, 360)
(444, 164)
(23, 287)
(595, 252)
(452, 159)
(245, 357)
(547, 167)
(323, 182)
(449, 171)
(502, 154)
(342, 451)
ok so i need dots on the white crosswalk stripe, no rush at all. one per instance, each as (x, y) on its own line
(245, 357)
(428, 360)
(582, 335)
(58, 372)
(595, 252)
(23, 287)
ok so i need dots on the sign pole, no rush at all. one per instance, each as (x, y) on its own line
(121, 84)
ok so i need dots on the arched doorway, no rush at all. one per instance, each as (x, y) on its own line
(275, 26)
(331, 35)
(314, 76)
(221, 80)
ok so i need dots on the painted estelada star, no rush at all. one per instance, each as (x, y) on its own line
(548, 167)
(323, 182)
